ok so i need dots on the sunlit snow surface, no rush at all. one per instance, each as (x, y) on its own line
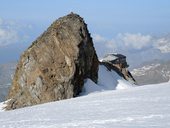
(139, 107)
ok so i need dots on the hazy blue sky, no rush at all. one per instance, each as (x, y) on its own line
(103, 16)
(114, 22)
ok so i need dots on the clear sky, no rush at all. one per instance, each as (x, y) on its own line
(117, 22)
(103, 16)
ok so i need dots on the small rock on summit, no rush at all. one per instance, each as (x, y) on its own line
(55, 65)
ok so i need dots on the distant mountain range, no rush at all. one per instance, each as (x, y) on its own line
(6, 74)
(152, 72)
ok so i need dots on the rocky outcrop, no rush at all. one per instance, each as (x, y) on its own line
(55, 65)
(118, 63)
(124, 73)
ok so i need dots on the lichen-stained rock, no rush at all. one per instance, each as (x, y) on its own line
(55, 65)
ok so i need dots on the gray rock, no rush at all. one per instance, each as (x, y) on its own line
(55, 65)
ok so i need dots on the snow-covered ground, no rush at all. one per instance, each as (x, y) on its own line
(100, 107)
(139, 107)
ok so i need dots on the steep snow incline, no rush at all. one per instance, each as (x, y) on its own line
(107, 80)
(139, 107)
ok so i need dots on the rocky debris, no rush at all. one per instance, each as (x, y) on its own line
(55, 65)
(118, 63)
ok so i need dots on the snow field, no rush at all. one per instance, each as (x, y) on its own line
(99, 107)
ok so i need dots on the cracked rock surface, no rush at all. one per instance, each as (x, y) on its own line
(55, 65)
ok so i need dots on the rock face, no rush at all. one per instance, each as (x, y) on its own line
(55, 65)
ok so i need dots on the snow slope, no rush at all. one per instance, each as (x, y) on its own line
(139, 107)
(107, 80)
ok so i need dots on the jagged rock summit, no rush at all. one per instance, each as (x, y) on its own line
(55, 65)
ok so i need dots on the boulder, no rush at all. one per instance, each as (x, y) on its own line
(55, 65)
